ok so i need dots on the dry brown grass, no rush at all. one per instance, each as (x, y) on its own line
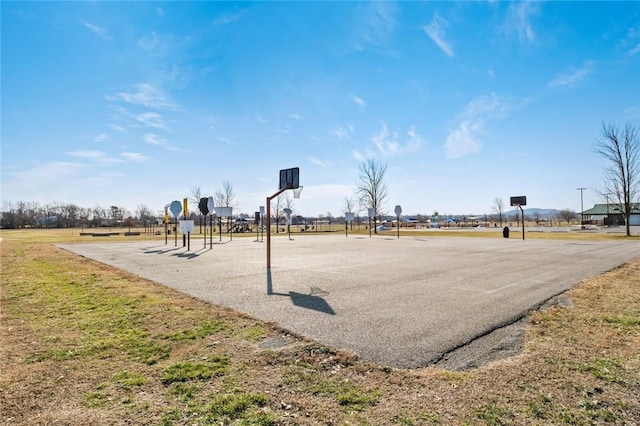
(83, 343)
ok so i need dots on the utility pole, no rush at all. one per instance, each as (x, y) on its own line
(581, 207)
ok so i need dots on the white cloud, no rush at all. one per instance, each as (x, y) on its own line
(294, 116)
(573, 76)
(101, 137)
(228, 18)
(318, 162)
(48, 172)
(136, 157)
(225, 140)
(153, 139)
(151, 119)
(87, 154)
(100, 32)
(519, 20)
(341, 132)
(95, 156)
(259, 119)
(117, 127)
(436, 32)
(379, 23)
(464, 139)
(359, 101)
(146, 95)
(358, 155)
(389, 143)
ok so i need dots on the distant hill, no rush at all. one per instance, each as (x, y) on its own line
(544, 213)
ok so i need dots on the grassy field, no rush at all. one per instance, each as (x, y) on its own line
(83, 343)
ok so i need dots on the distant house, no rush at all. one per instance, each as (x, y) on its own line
(610, 214)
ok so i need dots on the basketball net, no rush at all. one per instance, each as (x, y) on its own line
(297, 191)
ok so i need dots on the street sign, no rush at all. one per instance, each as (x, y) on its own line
(371, 213)
(210, 204)
(349, 217)
(203, 206)
(186, 226)
(185, 208)
(398, 210)
(224, 211)
(175, 208)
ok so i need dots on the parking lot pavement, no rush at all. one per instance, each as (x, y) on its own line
(400, 302)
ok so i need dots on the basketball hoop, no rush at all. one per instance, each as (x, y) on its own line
(297, 191)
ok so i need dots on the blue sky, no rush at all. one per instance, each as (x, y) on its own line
(129, 103)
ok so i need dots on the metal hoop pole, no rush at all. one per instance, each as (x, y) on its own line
(269, 224)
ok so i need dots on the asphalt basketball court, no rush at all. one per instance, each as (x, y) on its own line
(403, 302)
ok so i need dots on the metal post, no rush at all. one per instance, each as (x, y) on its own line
(269, 225)
(581, 207)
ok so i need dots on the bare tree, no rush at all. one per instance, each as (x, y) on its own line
(567, 215)
(196, 194)
(349, 204)
(498, 207)
(224, 197)
(371, 190)
(621, 149)
(144, 213)
(277, 207)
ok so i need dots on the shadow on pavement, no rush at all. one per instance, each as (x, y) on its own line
(307, 301)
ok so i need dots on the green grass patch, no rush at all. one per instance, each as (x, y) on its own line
(127, 379)
(241, 405)
(206, 329)
(255, 333)
(493, 414)
(186, 371)
(96, 399)
(625, 322)
(604, 369)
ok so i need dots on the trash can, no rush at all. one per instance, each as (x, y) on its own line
(505, 232)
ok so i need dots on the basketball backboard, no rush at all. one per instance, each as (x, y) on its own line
(290, 178)
(518, 201)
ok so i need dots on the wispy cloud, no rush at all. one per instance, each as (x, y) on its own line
(341, 132)
(318, 162)
(226, 141)
(436, 32)
(464, 139)
(95, 156)
(145, 95)
(100, 32)
(154, 44)
(153, 139)
(379, 26)
(136, 157)
(571, 77)
(228, 18)
(294, 116)
(47, 172)
(631, 43)
(391, 144)
(151, 119)
(100, 137)
(358, 100)
(519, 20)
